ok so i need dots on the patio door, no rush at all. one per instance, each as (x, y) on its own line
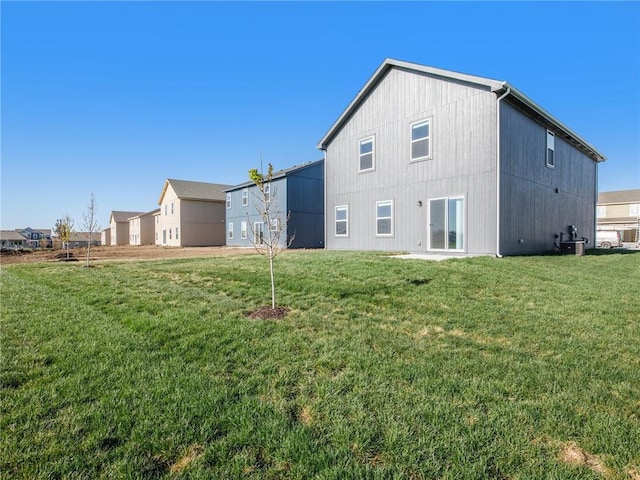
(258, 233)
(446, 224)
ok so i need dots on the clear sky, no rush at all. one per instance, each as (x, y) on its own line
(112, 98)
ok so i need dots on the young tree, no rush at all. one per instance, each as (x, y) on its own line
(266, 241)
(64, 230)
(90, 223)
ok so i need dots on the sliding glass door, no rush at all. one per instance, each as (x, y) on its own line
(446, 224)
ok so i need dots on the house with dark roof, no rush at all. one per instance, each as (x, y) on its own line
(12, 239)
(36, 237)
(142, 228)
(191, 214)
(620, 210)
(430, 160)
(119, 225)
(296, 198)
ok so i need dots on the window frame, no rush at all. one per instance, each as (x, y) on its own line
(245, 197)
(267, 192)
(228, 201)
(230, 231)
(551, 147)
(273, 225)
(243, 230)
(429, 156)
(177, 233)
(391, 218)
(370, 139)
(346, 221)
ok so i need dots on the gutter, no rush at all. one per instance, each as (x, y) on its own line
(505, 94)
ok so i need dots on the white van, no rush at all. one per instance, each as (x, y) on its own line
(608, 239)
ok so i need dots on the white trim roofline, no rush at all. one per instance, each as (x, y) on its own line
(496, 86)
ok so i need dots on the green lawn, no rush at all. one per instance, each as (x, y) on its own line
(476, 368)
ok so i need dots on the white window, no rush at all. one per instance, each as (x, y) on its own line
(274, 224)
(177, 233)
(230, 230)
(267, 192)
(245, 197)
(228, 200)
(171, 208)
(421, 140)
(243, 230)
(366, 154)
(601, 211)
(258, 233)
(169, 234)
(634, 209)
(551, 149)
(342, 221)
(384, 218)
(165, 208)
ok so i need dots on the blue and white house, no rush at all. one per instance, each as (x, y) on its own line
(296, 193)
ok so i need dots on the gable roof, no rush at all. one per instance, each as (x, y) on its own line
(151, 212)
(620, 196)
(512, 94)
(279, 174)
(188, 190)
(12, 235)
(120, 216)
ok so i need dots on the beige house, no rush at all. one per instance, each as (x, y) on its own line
(142, 228)
(157, 226)
(120, 226)
(620, 210)
(192, 214)
(105, 236)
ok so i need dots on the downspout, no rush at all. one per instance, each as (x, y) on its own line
(498, 254)
(324, 183)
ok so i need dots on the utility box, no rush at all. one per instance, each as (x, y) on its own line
(574, 247)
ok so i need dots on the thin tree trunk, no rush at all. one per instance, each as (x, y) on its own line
(88, 249)
(273, 283)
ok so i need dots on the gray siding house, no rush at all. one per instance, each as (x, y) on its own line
(297, 192)
(430, 160)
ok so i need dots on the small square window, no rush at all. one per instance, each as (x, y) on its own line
(342, 221)
(551, 150)
(421, 140)
(245, 197)
(367, 154)
(384, 218)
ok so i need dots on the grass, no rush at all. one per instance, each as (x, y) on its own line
(523, 367)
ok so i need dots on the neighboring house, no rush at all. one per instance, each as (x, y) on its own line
(429, 160)
(297, 192)
(12, 239)
(157, 227)
(119, 222)
(81, 239)
(192, 213)
(105, 236)
(36, 237)
(620, 211)
(142, 228)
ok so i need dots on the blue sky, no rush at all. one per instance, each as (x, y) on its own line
(115, 97)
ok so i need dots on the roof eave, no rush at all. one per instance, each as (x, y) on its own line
(573, 138)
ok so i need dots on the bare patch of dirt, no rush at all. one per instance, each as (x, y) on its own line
(121, 253)
(634, 474)
(306, 416)
(572, 454)
(194, 453)
(268, 313)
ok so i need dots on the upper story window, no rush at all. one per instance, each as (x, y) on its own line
(171, 208)
(601, 211)
(421, 140)
(228, 200)
(384, 218)
(367, 155)
(342, 221)
(165, 208)
(551, 149)
(267, 192)
(245, 197)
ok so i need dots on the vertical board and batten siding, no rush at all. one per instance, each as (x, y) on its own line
(531, 211)
(249, 213)
(463, 163)
(201, 223)
(305, 203)
(299, 194)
